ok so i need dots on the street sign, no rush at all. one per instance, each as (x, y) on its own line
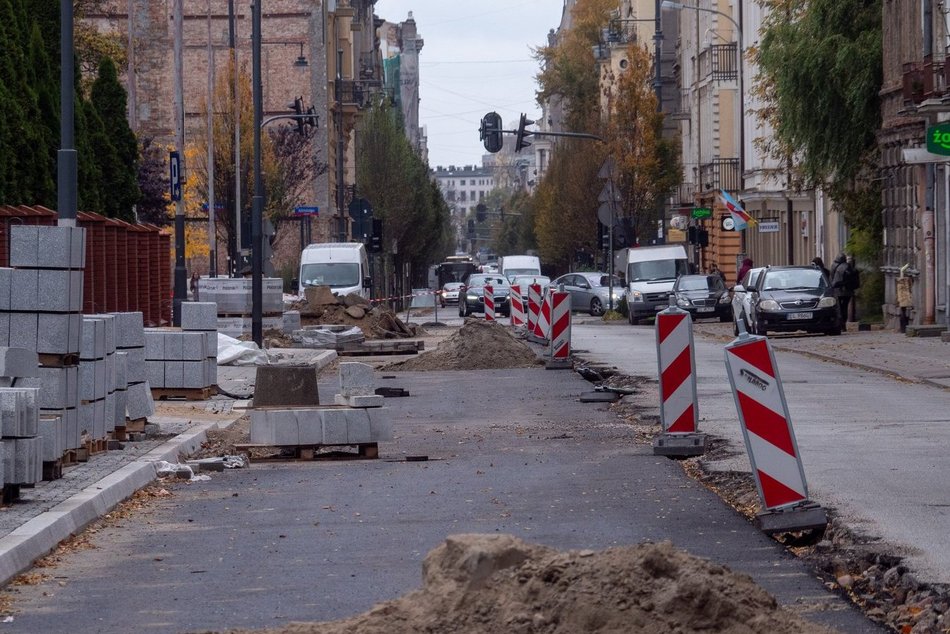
(306, 211)
(768, 225)
(702, 212)
(174, 166)
(938, 138)
(607, 192)
(607, 169)
(605, 214)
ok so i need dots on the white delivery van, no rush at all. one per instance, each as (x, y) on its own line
(511, 265)
(649, 274)
(343, 266)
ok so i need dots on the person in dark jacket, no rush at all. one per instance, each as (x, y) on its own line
(852, 282)
(838, 274)
(817, 261)
(746, 265)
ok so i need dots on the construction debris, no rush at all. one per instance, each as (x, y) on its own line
(478, 345)
(320, 307)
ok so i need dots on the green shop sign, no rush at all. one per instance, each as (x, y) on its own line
(938, 139)
(706, 212)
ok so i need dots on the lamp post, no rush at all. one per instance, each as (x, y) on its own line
(257, 202)
(679, 6)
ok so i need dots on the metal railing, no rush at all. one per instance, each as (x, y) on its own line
(721, 174)
(361, 93)
(720, 62)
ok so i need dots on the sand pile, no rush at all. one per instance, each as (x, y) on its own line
(478, 345)
(321, 307)
(498, 584)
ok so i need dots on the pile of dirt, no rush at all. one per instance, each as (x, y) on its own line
(477, 345)
(499, 584)
(320, 307)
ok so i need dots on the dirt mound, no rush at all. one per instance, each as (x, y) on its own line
(498, 584)
(478, 345)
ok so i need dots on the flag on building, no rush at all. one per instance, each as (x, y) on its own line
(741, 219)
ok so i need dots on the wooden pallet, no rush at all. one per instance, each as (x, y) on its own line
(136, 425)
(184, 393)
(96, 446)
(374, 348)
(70, 458)
(313, 452)
(52, 469)
(118, 434)
(11, 493)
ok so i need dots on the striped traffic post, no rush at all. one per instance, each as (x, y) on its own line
(534, 308)
(517, 308)
(559, 349)
(679, 409)
(542, 328)
(770, 438)
(489, 296)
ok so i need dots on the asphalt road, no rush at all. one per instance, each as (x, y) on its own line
(509, 451)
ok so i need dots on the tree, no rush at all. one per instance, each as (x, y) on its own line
(120, 160)
(153, 182)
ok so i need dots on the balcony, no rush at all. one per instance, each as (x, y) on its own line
(721, 174)
(924, 80)
(362, 94)
(720, 62)
(679, 103)
(367, 65)
(684, 195)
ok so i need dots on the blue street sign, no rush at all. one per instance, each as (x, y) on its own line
(174, 164)
(307, 211)
(217, 206)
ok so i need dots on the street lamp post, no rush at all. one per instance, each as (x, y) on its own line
(257, 202)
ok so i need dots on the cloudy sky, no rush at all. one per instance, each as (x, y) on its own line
(477, 57)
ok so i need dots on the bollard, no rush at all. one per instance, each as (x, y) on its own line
(679, 409)
(517, 308)
(770, 438)
(534, 308)
(542, 328)
(489, 297)
(559, 349)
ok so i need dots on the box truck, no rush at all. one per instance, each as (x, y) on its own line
(511, 265)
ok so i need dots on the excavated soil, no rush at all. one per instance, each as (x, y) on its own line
(477, 345)
(498, 584)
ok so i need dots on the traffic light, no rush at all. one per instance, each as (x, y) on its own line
(471, 229)
(702, 238)
(376, 239)
(691, 234)
(297, 107)
(604, 233)
(481, 212)
(490, 132)
(520, 143)
(312, 117)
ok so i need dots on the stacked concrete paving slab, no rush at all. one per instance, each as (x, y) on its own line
(180, 359)
(130, 340)
(234, 303)
(202, 317)
(40, 304)
(22, 443)
(97, 377)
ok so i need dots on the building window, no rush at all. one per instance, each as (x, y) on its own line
(481, 195)
(462, 182)
(462, 196)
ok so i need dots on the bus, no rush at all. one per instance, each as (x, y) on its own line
(455, 268)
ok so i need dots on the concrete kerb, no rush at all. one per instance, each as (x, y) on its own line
(40, 535)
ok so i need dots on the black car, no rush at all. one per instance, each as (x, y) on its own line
(790, 298)
(472, 294)
(703, 296)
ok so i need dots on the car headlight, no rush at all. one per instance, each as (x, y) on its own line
(635, 296)
(769, 304)
(682, 302)
(472, 297)
(827, 302)
(724, 298)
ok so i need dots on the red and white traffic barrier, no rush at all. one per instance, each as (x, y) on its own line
(560, 346)
(542, 329)
(517, 307)
(769, 437)
(534, 306)
(489, 297)
(679, 408)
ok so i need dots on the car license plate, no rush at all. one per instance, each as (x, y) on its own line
(704, 309)
(800, 315)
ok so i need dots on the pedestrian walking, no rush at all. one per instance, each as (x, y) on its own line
(817, 261)
(194, 286)
(746, 265)
(852, 282)
(842, 293)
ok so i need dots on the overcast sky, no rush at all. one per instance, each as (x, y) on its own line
(477, 57)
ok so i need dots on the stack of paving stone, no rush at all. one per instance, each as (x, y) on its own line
(97, 378)
(179, 360)
(40, 304)
(360, 421)
(202, 317)
(22, 445)
(233, 298)
(130, 340)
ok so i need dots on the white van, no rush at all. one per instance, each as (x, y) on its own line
(343, 266)
(511, 265)
(650, 273)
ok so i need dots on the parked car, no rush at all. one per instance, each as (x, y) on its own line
(790, 298)
(472, 294)
(450, 293)
(523, 281)
(592, 291)
(741, 296)
(703, 296)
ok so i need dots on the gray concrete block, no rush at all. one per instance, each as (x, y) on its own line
(359, 401)
(274, 427)
(102, 384)
(140, 403)
(121, 370)
(121, 408)
(99, 419)
(23, 290)
(55, 291)
(19, 412)
(173, 345)
(129, 330)
(193, 346)
(108, 413)
(23, 329)
(49, 430)
(9, 455)
(87, 380)
(92, 343)
(135, 364)
(380, 424)
(25, 245)
(334, 426)
(27, 456)
(5, 329)
(211, 345)
(285, 386)
(199, 316)
(291, 321)
(77, 251)
(357, 427)
(59, 333)
(194, 374)
(212, 371)
(6, 281)
(18, 362)
(110, 373)
(154, 344)
(9, 413)
(356, 379)
(87, 415)
(155, 371)
(310, 426)
(174, 374)
(61, 247)
(59, 387)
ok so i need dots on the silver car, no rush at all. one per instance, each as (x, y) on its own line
(742, 298)
(524, 281)
(592, 292)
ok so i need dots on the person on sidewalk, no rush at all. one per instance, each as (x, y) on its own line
(194, 286)
(838, 273)
(817, 261)
(852, 282)
(746, 265)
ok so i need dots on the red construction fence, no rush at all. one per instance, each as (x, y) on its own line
(128, 266)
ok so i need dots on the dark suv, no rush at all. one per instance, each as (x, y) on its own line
(789, 298)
